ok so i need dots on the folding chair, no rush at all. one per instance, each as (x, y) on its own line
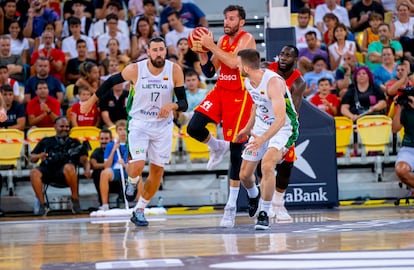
(87, 133)
(375, 136)
(196, 150)
(344, 138)
(11, 149)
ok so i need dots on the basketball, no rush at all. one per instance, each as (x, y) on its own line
(194, 39)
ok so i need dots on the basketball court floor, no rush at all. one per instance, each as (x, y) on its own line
(345, 238)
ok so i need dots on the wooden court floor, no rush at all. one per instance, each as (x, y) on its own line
(342, 238)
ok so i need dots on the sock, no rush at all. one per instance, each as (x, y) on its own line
(213, 143)
(141, 204)
(265, 206)
(252, 192)
(133, 180)
(105, 206)
(233, 194)
(278, 198)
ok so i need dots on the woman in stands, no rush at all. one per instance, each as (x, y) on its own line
(340, 46)
(145, 31)
(187, 59)
(89, 77)
(363, 96)
(114, 54)
(19, 45)
(402, 29)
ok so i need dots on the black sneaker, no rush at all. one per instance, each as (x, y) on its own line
(43, 210)
(131, 191)
(75, 206)
(138, 219)
(253, 204)
(262, 221)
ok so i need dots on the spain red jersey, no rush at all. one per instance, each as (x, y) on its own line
(292, 78)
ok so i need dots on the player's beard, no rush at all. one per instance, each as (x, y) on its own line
(286, 68)
(158, 62)
(231, 31)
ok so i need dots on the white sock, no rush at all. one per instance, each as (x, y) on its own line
(141, 204)
(252, 192)
(133, 180)
(265, 206)
(233, 194)
(105, 206)
(278, 198)
(213, 143)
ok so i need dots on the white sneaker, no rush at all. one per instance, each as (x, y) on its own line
(228, 218)
(272, 212)
(104, 207)
(282, 214)
(217, 156)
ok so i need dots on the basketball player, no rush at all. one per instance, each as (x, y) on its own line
(285, 67)
(273, 129)
(150, 115)
(228, 102)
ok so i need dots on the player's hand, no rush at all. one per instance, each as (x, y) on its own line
(3, 115)
(206, 40)
(255, 144)
(165, 110)
(242, 135)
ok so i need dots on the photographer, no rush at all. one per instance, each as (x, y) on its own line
(404, 117)
(59, 157)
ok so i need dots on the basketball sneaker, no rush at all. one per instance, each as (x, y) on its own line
(262, 221)
(216, 156)
(138, 218)
(282, 214)
(229, 217)
(75, 206)
(253, 204)
(43, 210)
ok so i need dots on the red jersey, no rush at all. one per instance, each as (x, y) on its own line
(331, 98)
(33, 108)
(85, 119)
(292, 78)
(229, 78)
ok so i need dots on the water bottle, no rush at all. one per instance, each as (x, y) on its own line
(36, 206)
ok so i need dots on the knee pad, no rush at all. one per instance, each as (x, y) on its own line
(235, 160)
(284, 170)
(197, 127)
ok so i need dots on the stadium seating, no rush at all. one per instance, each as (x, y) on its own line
(344, 138)
(86, 133)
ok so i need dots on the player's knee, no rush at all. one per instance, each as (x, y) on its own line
(284, 171)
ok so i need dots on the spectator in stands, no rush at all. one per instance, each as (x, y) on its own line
(135, 7)
(55, 56)
(19, 45)
(194, 95)
(387, 70)
(97, 160)
(72, 68)
(330, 6)
(340, 46)
(100, 27)
(139, 41)
(89, 77)
(6, 80)
(150, 12)
(90, 118)
(59, 156)
(13, 62)
(38, 42)
(307, 54)
(402, 28)
(78, 11)
(303, 27)
(42, 69)
(37, 17)
(9, 15)
(187, 59)
(69, 43)
(114, 162)
(16, 115)
(191, 15)
(345, 73)
(103, 39)
(404, 165)
(402, 79)
(312, 77)
(371, 32)
(178, 31)
(113, 106)
(374, 57)
(114, 53)
(43, 109)
(68, 11)
(360, 13)
(324, 99)
(330, 21)
(363, 97)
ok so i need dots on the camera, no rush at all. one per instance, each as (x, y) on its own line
(403, 98)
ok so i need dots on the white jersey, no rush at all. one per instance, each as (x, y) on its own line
(151, 92)
(264, 112)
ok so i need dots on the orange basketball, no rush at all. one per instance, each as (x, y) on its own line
(194, 39)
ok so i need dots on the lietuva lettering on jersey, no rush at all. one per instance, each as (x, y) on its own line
(154, 86)
(299, 195)
(225, 77)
